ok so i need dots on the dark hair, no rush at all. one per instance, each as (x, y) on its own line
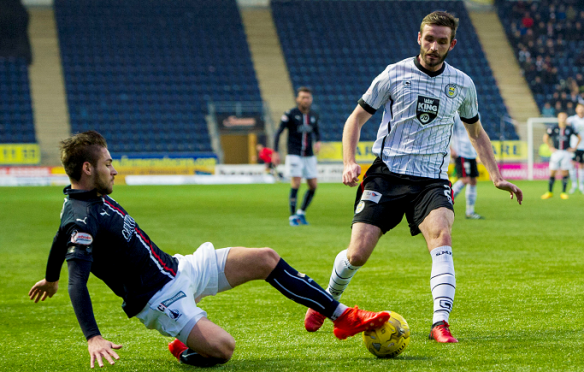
(303, 90)
(441, 18)
(80, 148)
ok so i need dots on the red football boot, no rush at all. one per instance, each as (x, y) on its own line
(176, 348)
(313, 320)
(441, 333)
(354, 321)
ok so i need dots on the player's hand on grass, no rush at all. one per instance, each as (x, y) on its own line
(513, 190)
(43, 289)
(351, 174)
(100, 348)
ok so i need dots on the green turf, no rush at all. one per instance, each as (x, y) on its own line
(518, 303)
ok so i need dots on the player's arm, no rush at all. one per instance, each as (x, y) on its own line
(547, 140)
(351, 134)
(50, 284)
(283, 125)
(98, 347)
(577, 143)
(481, 142)
(316, 132)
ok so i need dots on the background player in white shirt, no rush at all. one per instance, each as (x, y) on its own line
(465, 158)
(577, 172)
(420, 96)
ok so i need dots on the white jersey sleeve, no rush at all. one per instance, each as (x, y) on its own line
(378, 93)
(578, 124)
(469, 110)
(460, 140)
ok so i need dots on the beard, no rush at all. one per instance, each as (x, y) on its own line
(102, 186)
(440, 59)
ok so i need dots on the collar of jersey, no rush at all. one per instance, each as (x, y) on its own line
(428, 72)
(80, 194)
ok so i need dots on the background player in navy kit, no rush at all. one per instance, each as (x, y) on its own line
(465, 159)
(420, 96)
(558, 140)
(97, 235)
(302, 125)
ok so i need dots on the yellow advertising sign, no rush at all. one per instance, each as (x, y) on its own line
(165, 166)
(333, 151)
(20, 153)
(510, 150)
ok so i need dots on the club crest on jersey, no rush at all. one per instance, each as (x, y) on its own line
(81, 238)
(427, 109)
(451, 90)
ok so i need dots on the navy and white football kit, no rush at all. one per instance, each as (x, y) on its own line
(560, 137)
(97, 235)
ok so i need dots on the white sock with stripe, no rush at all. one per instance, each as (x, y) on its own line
(471, 198)
(581, 177)
(442, 282)
(457, 188)
(341, 276)
(574, 177)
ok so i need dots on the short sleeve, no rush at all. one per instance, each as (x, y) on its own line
(550, 131)
(469, 109)
(377, 94)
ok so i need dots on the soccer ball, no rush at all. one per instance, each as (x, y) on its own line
(389, 340)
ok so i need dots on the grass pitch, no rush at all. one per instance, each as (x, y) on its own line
(518, 303)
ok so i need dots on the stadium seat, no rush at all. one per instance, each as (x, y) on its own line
(16, 118)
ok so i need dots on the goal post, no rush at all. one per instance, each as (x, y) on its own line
(535, 130)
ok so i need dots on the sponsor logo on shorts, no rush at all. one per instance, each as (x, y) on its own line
(81, 238)
(427, 109)
(173, 299)
(370, 195)
(360, 207)
(174, 314)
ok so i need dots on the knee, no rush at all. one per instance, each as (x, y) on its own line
(357, 258)
(269, 258)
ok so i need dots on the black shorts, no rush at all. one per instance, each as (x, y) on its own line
(579, 156)
(466, 167)
(384, 197)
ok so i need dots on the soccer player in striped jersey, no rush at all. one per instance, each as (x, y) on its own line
(302, 124)
(577, 172)
(98, 236)
(558, 140)
(420, 96)
(465, 158)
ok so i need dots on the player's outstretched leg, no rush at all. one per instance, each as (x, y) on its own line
(441, 332)
(355, 320)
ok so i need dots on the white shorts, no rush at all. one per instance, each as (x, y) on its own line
(301, 166)
(173, 310)
(561, 159)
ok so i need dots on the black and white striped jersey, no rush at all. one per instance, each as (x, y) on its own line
(419, 108)
(461, 142)
(561, 136)
(578, 124)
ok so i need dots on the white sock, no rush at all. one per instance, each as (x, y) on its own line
(339, 311)
(581, 177)
(574, 177)
(471, 198)
(300, 212)
(341, 276)
(442, 282)
(457, 188)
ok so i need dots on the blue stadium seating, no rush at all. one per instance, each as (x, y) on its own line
(16, 120)
(142, 71)
(338, 47)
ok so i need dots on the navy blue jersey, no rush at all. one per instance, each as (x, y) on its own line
(99, 232)
(561, 136)
(301, 129)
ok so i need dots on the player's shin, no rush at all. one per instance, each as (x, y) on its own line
(442, 282)
(301, 289)
(457, 188)
(292, 199)
(341, 276)
(564, 183)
